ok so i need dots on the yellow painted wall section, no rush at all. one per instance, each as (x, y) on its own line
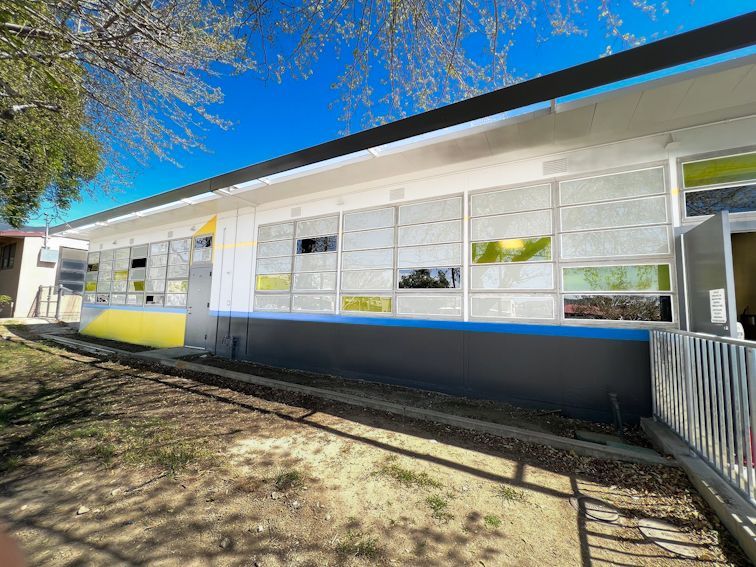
(149, 328)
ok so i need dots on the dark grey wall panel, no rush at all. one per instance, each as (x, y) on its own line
(571, 373)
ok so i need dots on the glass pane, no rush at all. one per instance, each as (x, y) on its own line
(106, 266)
(383, 258)
(89, 298)
(156, 273)
(136, 285)
(118, 286)
(202, 255)
(438, 305)
(617, 278)
(616, 243)
(156, 285)
(431, 211)
(366, 304)
(205, 241)
(512, 306)
(274, 265)
(178, 286)
(318, 227)
(180, 245)
(161, 260)
(154, 299)
(613, 186)
(511, 200)
(367, 280)
(122, 254)
(512, 276)
(175, 258)
(134, 299)
(320, 303)
(138, 262)
(93, 257)
(105, 276)
(157, 248)
(429, 256)
(437, 233)
(122, 264)
(91, 276)
(137, 274)
(726, 169)
(103, 298)
(430, 278)
(276, 232)
(619, 307)
(510, 226)
(318, 244)
(93, 267)
(711, 201)
(381, 238)
(273, 282)
(512, 250)
(315, 281)
(90, 286)
(274, 248)
(121, 275)
(180, 271)
(365, 220)
(272, 302)
(315, 262)
(139, 251)
(651, 210)
(175, 299)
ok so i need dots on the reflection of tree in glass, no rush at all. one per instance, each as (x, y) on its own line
(734, 199)
(620, 278)
(618, 307)
(319, 244)
(425, 278)
(513, 250)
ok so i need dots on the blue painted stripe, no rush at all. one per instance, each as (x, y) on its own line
(472, 326)
(135, 308)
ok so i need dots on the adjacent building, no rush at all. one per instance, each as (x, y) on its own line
(494, 248)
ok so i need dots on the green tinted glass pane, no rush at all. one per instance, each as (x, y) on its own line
(121, 275)
(274, 282)
(727, 169)
(366, 303)
(137, 285)
(90, 286)
(618, 278)
(512, 250)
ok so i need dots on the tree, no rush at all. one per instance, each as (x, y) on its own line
(139, 77)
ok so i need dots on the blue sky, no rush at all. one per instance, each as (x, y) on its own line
(272, 119)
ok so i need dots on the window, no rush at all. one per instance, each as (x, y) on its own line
(511, 254)
(203, 249)
(318, 244)
(725, 183)
(430, 278)
(7, 256)
(608, 246)
(273, 273)
(315, 263)
(72, 269)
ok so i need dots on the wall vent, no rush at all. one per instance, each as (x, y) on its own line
(296, 212)
(396, 194)
(555, 166)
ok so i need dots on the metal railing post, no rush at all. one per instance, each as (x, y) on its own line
(689, 404)
(60, 300)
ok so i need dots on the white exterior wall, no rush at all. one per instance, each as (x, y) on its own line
(236, 232)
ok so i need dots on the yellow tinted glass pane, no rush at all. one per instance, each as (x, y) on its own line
(726, 169)
(371, 304)
(121, 275)
(273, 282)
(91, 286)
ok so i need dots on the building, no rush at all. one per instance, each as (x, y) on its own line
(515, 246)
(26, 263)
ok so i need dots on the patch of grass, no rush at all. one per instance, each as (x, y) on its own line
(509, 494)
(288, 480)
(439, 507)
(492, 521)
(10, 464)
(405, 476)
(358, 544)
(104, 452)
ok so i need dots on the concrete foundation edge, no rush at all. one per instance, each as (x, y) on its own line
(734, 511)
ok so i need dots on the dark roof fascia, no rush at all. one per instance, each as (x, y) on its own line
(715, 39)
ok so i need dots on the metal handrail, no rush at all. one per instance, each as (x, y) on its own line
(704, 388)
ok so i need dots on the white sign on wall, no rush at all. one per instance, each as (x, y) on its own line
(717, 306)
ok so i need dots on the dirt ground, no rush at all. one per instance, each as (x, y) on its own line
(105, 462)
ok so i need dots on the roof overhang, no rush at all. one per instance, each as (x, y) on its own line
(514, 119)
